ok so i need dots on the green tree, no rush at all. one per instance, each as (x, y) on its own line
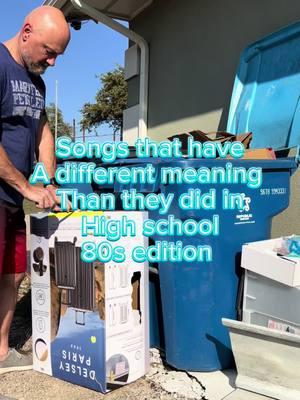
(111, 100)
(63, 128)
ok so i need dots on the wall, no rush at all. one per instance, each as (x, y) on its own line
(195, 47)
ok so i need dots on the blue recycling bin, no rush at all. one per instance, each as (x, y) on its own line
(265, 101)
(156, 325)
(185, 314)
(195, 296)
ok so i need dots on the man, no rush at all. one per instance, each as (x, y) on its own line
(24, 134)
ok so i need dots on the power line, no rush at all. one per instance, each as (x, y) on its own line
(91, 136)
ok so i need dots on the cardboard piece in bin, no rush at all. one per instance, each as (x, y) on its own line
(183, 138)
(199, 136)
(218, 136)
(244, 138)
(258, 154)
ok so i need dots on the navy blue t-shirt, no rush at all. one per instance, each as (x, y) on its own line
(22, 103)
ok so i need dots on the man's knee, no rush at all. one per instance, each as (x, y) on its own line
(12, 280)
(18, 278)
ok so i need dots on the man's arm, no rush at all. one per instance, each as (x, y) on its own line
(10, 174)
(45, 153)
(45, 149)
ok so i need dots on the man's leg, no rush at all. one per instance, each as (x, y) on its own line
(4, 299)
(9, 285)
(13, 269)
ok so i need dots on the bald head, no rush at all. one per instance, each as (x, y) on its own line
(49, 21)
(44, 35)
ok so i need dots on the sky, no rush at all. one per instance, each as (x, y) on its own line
(93, 50)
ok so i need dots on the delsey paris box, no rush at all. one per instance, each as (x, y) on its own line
(90, 319)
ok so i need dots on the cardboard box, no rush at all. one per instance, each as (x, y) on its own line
(258, 154)
(90, 319)
(261, 258)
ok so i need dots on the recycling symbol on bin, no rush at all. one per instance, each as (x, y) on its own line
(247, 201)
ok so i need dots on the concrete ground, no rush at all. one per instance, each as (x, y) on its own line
(160, 383)
(4, 398)
(240, 394)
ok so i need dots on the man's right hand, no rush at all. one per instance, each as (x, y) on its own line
(42, 197)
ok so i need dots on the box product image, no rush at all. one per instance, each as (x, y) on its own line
(90, 319)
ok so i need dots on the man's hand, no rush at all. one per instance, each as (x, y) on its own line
(44, 198)
(52, 189)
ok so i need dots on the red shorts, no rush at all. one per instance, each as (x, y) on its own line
(12, 239)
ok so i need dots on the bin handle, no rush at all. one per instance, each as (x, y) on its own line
(297, 158)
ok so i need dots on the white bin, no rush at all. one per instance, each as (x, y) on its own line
(267, 361)
(260, 257)
(271, 304)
